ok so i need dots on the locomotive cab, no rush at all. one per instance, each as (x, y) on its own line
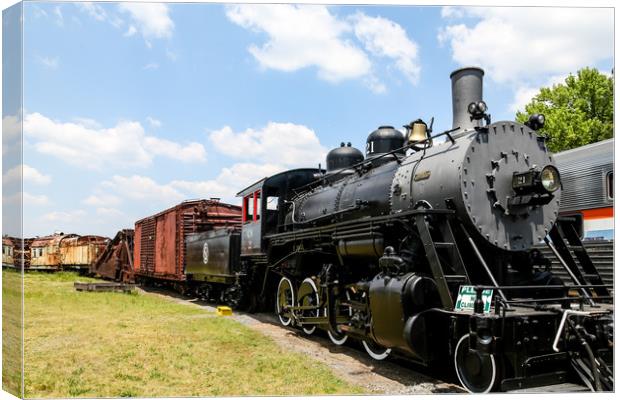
(265, 204)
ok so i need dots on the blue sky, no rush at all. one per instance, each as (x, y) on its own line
(130, 108)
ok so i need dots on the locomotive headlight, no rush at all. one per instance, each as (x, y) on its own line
(544, 181)
(477, 110)
(471, 108)
(550, 178)
(536, 121)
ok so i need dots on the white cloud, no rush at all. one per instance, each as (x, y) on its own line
(108, 212)
(302, 36)
(65, 217)
(385, 38)
(525, 94)
(94, 10)
(39, 12)
(155, 123)
(452, 12)
(124, 145)
(150, 19)
(35, 200)
(100, 14)
(523, 43)
(146, 190)
(374, 84)
(49, 62)
(27, 173)
(296, 145)
(87, 122)
(191, 152)
(101, 200)
(130, 31)
(229, 181)
(142, 188)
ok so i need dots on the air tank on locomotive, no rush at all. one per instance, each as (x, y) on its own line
(342, 158)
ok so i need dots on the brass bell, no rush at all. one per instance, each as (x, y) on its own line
(418, 132)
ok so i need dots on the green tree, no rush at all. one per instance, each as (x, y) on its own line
(578, 112)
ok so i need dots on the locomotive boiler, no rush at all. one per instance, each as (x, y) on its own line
(425, 248)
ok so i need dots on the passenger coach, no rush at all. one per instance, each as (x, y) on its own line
(588, 188)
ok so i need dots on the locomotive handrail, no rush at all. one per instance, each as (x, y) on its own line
(552, 299)
(566, 267)
(389, 153)
(483, 262)
(524, 302)
(526, 287)
(379, 218)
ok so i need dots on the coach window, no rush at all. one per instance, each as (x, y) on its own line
(610, 184)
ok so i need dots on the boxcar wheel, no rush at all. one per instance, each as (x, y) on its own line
(285, 298)
(477, 372)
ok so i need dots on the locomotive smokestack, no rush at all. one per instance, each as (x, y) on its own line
(466, 88)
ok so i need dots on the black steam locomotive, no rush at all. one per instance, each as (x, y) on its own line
(425, 248)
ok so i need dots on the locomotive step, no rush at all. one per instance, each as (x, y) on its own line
(444, 245)
(576, 247)
(456, 278)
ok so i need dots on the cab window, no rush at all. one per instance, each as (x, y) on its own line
(251, 207)
(272, 203)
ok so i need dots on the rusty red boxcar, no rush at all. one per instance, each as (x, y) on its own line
(159, 243)
(116, 260)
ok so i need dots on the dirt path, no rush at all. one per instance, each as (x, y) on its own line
(350, 362)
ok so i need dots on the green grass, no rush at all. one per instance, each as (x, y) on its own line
(12, 332)
(81, 344)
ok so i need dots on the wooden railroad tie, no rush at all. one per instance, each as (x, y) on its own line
(103, 287)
